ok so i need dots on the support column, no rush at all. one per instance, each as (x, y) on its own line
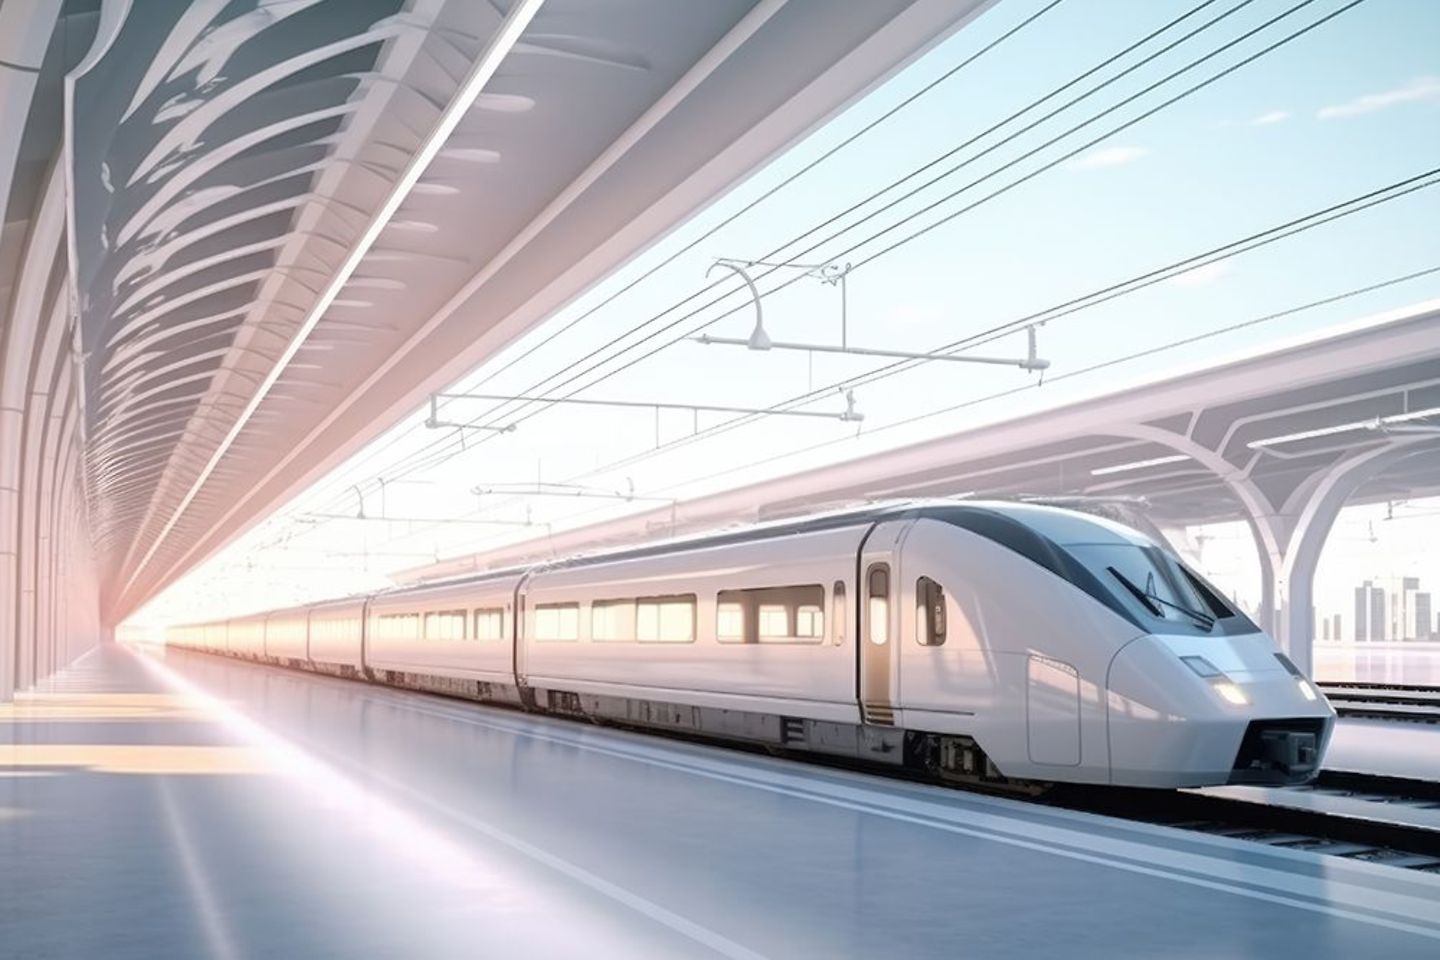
(63, 573)
(32, 449)
(11, 421)
(25, 30)
(1315, 508)
(53, 454)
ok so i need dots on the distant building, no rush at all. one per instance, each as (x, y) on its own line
(1400, 599)
(1377, 613)
(1393, 608)
(1335, 631)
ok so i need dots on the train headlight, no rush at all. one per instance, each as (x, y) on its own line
(1230, 692)
(1228, 689)
(1306, 691)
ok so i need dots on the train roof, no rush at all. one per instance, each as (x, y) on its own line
(1058, 524)
(1022, 526)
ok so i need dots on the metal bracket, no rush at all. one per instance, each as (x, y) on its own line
(433, 421)
(836, 275)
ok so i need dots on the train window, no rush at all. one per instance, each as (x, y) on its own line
(929, 613)
(398, 626)
(445, 625)
(838, 612)
(771, 615)
(1151, 580)
(809, 622)
(489, 624)
(1216, 607)
(730, 622)
(877, 595)
(557, 622)
(612, 620)
(665, 619)
(774, 621)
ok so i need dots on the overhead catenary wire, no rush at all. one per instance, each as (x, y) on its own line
(771, 191)
(1079, 78)
(1100, 365)
(774, 266)
(1392, 191)
(1212, 79)
(1075, 305)
(974, 204)
(660, 493)
(999, 192)
(666, 491)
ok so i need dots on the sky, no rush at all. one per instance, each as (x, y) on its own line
(1018, 225)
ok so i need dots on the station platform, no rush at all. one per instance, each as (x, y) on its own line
(1385, 748)
(1410, 662)
(159, 805)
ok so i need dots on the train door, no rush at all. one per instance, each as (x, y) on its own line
(309, 617)
(879, 615)
(517, 639)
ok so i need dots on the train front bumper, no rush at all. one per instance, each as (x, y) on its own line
(1253, 723)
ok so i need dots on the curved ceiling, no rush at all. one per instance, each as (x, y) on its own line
(266, 267)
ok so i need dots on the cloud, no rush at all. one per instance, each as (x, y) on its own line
(1110, 157)
(1266, 119)
(1201, 275)
(1418, 89)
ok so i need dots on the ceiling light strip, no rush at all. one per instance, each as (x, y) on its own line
(474, 84)
(1374, 423)
(1137, 465)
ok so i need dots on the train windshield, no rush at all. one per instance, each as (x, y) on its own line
(1155, 585)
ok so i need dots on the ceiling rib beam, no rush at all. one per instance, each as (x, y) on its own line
(480, 74)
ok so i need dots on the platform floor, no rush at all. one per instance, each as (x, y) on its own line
(197, 808)
(1412, 662)
(1388, 748)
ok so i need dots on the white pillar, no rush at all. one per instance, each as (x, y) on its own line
(1318, 505)
(10, 420)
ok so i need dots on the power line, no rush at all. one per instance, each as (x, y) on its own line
(1138, 355)
(1111, 109)
(437, 452)
(777, 251)
(1093, 368)
(730, 424)
(807, 168)
(1358, 204)
(1075, 305)
(1005, 189)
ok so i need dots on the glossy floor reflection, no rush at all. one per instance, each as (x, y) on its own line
(1412, 663)
(203, 808)
(1387, 748)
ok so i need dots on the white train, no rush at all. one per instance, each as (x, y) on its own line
(996, 643)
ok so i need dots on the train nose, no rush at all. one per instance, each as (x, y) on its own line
(1211, 711)
(1284, 751)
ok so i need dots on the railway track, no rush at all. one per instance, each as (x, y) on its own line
(1383, 820)
(1384, 701)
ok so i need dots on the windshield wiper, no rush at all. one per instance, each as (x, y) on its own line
(1150, 601)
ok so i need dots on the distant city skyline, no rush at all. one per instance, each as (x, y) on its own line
(1393, 608)
(1380, 544)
